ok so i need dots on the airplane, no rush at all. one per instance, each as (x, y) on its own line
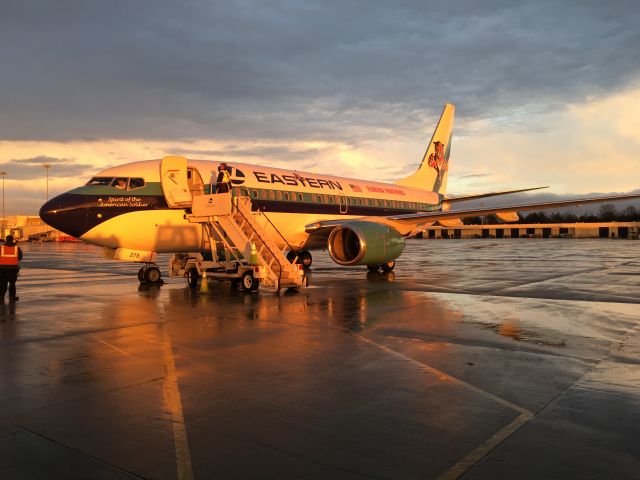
(137, 210)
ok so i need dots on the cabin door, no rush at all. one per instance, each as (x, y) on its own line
(194, 179)
(175, 184)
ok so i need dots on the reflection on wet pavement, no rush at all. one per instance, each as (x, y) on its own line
(476, 357)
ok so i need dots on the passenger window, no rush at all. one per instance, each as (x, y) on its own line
(279, 195)
(286, 196)
(100, 181)
(300, 197)
(319, 198)
(271, 195)
(254, 193)
(120, 183)
(263, 194)
(136, 183)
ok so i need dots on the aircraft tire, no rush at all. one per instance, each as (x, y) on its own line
(152, 275)
(305, 258)
(373, 268)
(141, 275)
(291, 256)
(192, 277)
(388, 267)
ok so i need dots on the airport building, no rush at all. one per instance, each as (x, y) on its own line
(29, 227)
(629, 230)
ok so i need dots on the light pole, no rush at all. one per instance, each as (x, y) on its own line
(47, 166)
(4, 221)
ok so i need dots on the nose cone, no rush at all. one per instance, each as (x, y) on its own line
(67, 213)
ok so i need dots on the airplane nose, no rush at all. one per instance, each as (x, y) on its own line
(67, 213)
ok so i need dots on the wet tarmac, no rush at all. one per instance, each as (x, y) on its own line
(476, 358)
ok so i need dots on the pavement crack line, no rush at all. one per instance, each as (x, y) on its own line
(473, 457)
(72, 449)
(565, 275)
(293, 454)
(75, 333)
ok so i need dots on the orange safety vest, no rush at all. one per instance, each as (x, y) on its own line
(9, 255)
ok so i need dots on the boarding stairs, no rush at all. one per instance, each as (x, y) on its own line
(230, 221)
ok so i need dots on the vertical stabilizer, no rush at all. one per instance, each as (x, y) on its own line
(434, 168)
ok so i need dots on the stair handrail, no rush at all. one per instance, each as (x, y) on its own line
(276, 230)
(234, 205)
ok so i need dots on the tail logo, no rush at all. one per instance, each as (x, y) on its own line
(439, 161)
(237, 176)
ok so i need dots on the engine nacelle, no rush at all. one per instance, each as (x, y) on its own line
(364, 243)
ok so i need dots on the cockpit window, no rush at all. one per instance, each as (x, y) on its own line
(100, 181)
(136, 183)
(120, 183)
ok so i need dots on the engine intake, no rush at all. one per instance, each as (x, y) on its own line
(364, 243)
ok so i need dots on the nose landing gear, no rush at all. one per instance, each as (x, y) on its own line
(150, 274)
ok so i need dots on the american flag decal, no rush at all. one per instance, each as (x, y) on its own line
(355, 188)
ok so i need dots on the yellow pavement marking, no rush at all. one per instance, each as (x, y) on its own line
(460, 467)
(446, 377)
(118, 349)
(173, 403)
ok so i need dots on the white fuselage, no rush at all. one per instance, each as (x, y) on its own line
(291, 200)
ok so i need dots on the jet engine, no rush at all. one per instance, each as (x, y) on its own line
(364, 243)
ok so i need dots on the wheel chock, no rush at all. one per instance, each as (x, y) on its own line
(204, 284)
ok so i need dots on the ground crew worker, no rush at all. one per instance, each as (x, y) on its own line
(223, 183)
(10, 256)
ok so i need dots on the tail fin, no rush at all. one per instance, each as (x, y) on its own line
(433, 170)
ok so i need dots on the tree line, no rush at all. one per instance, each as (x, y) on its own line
(606, 213)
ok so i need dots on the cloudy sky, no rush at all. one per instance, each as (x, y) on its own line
(547, 92)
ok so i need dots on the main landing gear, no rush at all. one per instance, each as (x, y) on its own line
(385, 267)
(304, 258)
(150, 274)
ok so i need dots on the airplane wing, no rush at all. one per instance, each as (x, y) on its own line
(407, 224)
(474, 212)
(486, 195)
